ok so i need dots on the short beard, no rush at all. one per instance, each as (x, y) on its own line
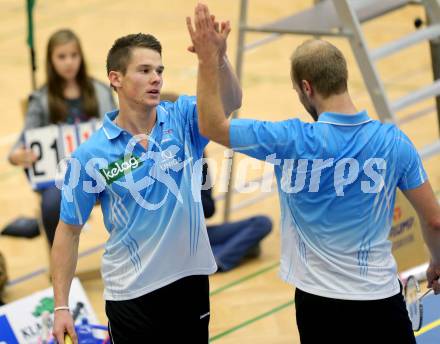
(312, 111)
(309, 108)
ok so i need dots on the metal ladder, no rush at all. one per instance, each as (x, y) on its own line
(385, 109)
(344, 18)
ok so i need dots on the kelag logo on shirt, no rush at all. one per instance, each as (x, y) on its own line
(119, 168)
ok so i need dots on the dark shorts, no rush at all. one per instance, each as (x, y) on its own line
(176, 313)
(326, 320)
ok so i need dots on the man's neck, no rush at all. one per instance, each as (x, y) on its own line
(340, 103)
(136, 119)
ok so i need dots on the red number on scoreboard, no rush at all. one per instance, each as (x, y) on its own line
(69, 140)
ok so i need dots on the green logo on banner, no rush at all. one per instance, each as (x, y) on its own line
(45, 304)
(119, 168)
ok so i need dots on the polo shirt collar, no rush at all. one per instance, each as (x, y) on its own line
(112, 131)
(161, 114)
(342, 119)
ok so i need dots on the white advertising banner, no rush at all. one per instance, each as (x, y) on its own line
(21, 321)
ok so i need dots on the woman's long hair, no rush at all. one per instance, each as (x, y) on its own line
(56, 84)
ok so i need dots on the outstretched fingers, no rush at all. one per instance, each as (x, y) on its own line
(190, 27)
(225, 29)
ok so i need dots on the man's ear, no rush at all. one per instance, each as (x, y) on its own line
(115, 78)
(306, 87)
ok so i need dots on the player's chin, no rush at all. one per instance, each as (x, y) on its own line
(150, 102)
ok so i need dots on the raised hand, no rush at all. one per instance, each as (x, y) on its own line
(208, 37)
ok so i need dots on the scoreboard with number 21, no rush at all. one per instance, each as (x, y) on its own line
(52, 144)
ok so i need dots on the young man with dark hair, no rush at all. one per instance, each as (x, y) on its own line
(337, 182)
(142, 167)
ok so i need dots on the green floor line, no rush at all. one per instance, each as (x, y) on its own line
(251, 321)
(245, 278)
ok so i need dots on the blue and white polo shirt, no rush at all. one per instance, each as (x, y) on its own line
(150, 200)
(337, 180)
